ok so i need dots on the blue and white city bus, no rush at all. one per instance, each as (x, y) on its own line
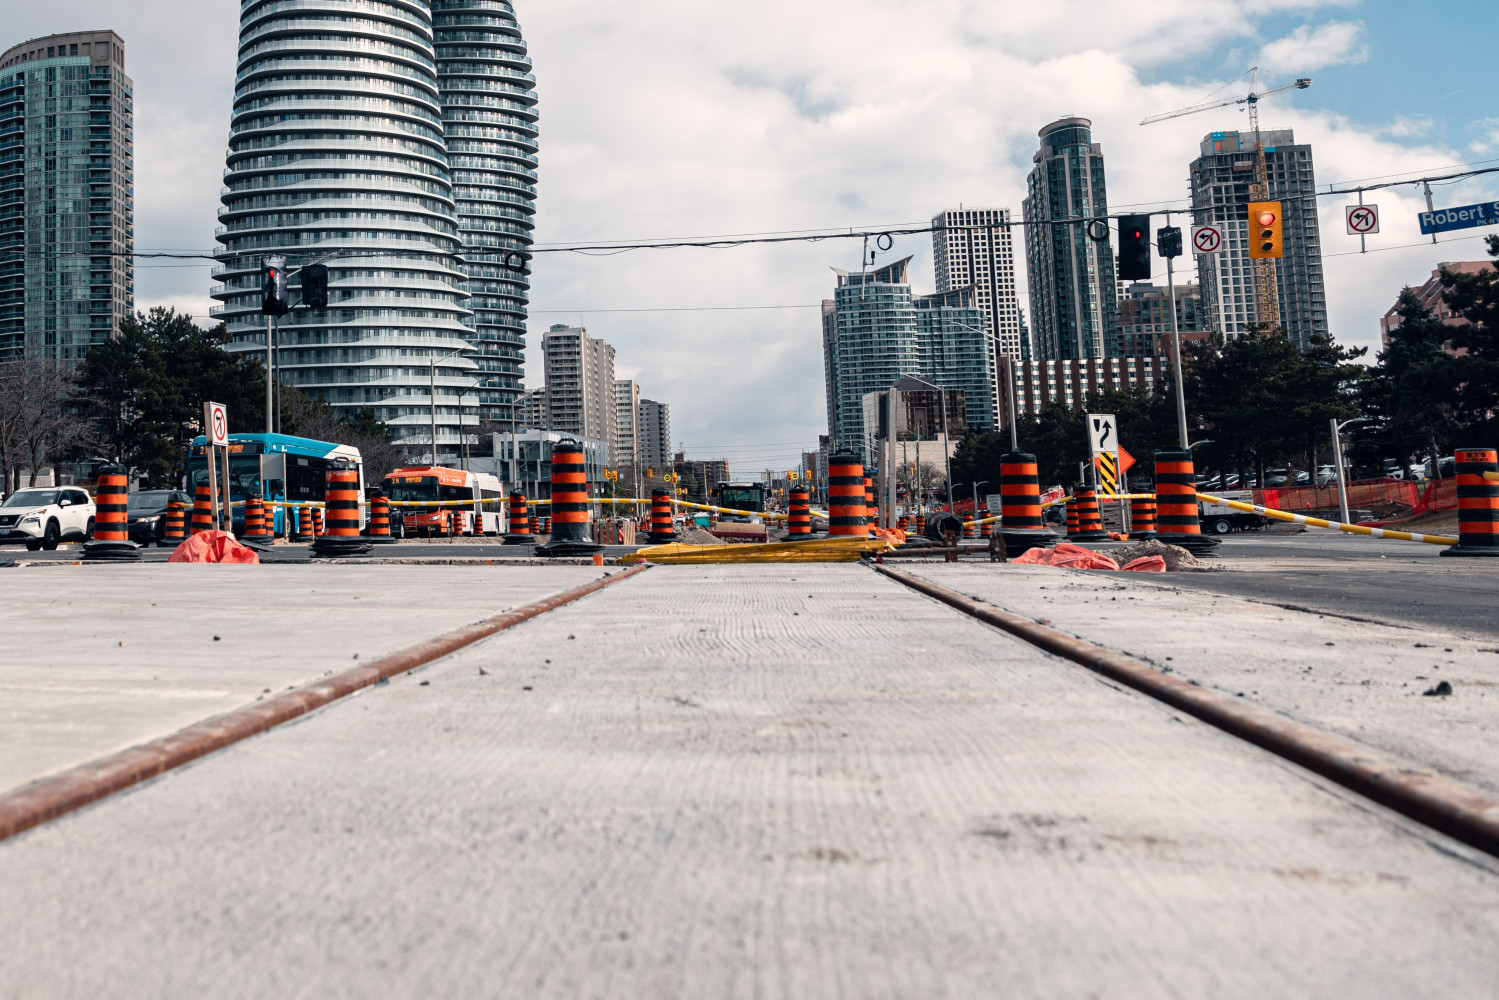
(276, 467)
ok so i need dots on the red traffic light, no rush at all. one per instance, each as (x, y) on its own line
(1267, 218)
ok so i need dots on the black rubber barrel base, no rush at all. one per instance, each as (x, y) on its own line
(114, 551)
(1195, 544)
(335, 548)
(1089, 536)
(660, 537)
(381, 539)
(520, 539)
(569, 547)
(1019, 541)
(1141, 536)
(1470, 550)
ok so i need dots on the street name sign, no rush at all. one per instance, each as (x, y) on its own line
(1466, 217)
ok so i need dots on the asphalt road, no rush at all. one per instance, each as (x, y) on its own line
(785, 781)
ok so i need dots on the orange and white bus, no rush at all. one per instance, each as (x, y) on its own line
(432, 500)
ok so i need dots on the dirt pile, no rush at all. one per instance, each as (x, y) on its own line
(1177, 558)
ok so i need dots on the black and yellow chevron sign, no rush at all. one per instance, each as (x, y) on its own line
(1108, 471)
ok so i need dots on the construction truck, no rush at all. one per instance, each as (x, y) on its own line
(1220, 519)
(743, 516)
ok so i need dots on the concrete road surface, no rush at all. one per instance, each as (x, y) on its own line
(97, 658)
(767, 782)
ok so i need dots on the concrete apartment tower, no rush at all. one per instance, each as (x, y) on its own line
(67, 195)
(580, 383)
(339, 153)
(973, 248)
(489, 118)
(625, 448)
(655, 436)
(1221, 175)
(1074, 305)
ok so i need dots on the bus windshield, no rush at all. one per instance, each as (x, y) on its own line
(244, 475)
(408, 492)
(744, 498)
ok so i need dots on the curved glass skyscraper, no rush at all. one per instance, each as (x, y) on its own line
(489, 115)
(338, 154)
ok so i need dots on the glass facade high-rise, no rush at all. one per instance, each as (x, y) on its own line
(489, 116)
(409, 173)
(67, 193)
(1221, 175)
(874, 331)
(1074, 304)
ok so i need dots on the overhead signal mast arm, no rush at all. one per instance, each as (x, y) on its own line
(1250, 98)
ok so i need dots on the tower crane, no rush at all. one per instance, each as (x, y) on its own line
(1266, 295)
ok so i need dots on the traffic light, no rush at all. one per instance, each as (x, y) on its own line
(1168, 241)
(315, 286)
(273, 300)
(1264, 229)
(1134, 248)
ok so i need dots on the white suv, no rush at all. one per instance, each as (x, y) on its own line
(43, 517)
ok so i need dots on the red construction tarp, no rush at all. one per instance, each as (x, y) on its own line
(1070, 556)
(214, 547)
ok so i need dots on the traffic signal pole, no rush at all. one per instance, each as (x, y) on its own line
(269, 395)
(1176, 354)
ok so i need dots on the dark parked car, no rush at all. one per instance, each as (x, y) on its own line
(146, 512)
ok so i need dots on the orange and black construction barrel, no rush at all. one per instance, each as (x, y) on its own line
(546, 525)
(846, 507)
(1020, 505)
(303, 531)
(255, 526)
(520, 520)
(535, 525)
(380, 520)
(1176, 502)
(202, 510)
(661, 528)
(1072, 528)
(111, 520)
(1477, 504)
(901, 522)
(319, 529)
(798, 514)
(986, 529)
(970, 530)
(1089, 519)
(569, 514)
(871, 509)
(340, 533)
(1142, 518)
(175, 532)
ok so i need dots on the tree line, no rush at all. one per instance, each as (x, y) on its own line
(138, 400)
(1258, 402)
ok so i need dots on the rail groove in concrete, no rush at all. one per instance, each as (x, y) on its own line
(1454, 809)
(55, 796)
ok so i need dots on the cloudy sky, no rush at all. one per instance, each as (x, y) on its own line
(665, 118)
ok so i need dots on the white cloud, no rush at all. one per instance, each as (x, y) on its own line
(1308, 49)
(674, 118)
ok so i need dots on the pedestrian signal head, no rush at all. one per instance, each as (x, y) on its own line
(1264, 229)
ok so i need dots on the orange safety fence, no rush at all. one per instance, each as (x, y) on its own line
(1361, 493)
(1440, 495)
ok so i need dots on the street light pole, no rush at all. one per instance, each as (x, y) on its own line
(432, 382)
(1176, 351)
(1337, 456)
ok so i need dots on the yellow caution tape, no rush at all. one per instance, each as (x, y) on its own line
(1317, 522)
(849, 549)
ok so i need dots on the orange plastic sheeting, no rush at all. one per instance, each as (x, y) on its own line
(214, 547)
(1067, 556)
(1076, 557)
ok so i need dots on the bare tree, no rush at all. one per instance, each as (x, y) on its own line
(41, 422)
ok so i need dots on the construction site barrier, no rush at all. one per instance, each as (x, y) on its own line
(1361, 493)
(1317, 522)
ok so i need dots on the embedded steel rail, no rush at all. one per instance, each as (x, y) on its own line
(49, 798)
(1452, 808)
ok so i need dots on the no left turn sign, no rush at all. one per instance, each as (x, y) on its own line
(1207, 239)
(1362, 219)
